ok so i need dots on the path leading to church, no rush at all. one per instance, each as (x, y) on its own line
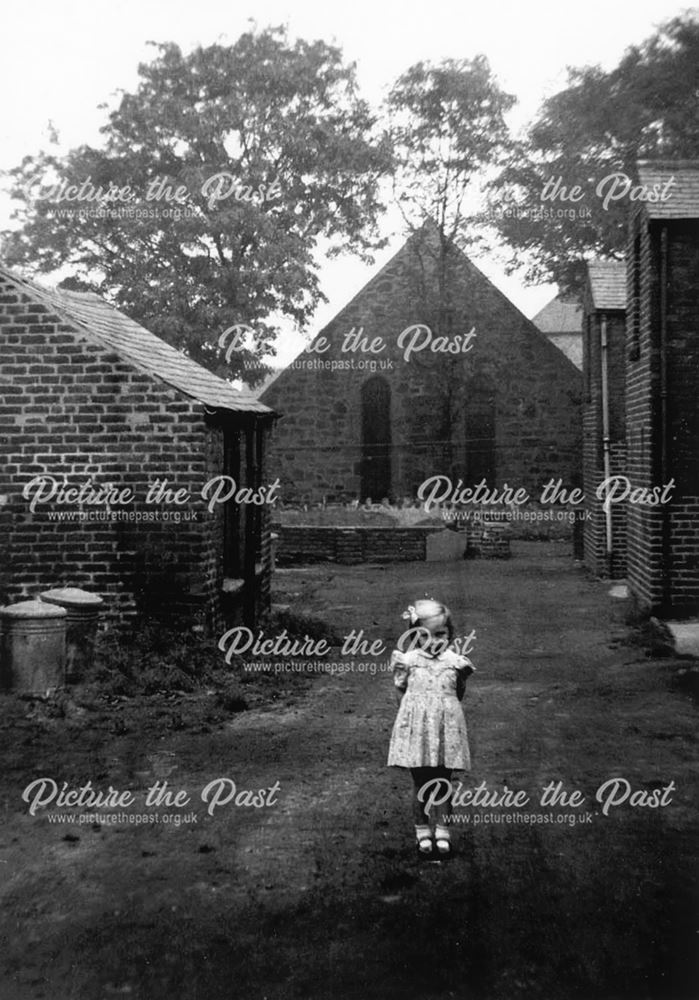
(319, 895)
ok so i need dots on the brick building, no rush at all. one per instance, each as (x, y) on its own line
(90, 398)
(604, 422)
(662, 389)
(356, 424)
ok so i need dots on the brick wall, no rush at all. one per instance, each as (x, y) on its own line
(73, 410)
(317, 443)
(663, 542)
(643, 523)
(325, 543)
(595, 531)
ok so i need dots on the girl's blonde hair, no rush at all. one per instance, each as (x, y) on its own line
(428, 608)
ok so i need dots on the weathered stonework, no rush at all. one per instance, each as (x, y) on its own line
(508, 409)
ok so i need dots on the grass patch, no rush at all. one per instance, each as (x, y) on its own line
(157, 659)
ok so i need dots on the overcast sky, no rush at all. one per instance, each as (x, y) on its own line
(61, 60)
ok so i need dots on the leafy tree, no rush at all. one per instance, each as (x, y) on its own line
(600, 125)
(239, 161)
(446, 123)
(447, 128)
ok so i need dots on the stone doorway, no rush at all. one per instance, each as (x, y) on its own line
(376, 440)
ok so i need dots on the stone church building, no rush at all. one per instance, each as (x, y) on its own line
(429, 370)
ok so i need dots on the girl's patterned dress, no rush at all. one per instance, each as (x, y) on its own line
(430, 729)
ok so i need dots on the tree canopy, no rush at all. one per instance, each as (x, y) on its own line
(215, 183)
(227, 169)
(446, 124)
(598, 126)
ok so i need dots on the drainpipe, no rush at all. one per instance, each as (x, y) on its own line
(664, 425)
(251, 536)
(605, 438)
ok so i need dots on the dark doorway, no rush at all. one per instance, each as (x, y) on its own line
(479, 457)
(376, 440)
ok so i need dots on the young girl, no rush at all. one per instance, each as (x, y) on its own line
(429, 735)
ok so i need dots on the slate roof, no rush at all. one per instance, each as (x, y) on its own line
(571, 344)
(607, 284)
(682, 196)
(132, 342)
(559, 316)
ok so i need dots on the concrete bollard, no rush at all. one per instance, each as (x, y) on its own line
(82, 611)
(32, 647)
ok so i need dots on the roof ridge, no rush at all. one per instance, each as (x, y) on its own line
(664, 164)
(173, 367)
(610, 264)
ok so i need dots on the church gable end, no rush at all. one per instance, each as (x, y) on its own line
(475, 390)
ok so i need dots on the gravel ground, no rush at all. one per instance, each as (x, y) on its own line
(315, 892)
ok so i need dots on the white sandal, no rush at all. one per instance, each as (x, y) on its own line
(442, 838)
(423, 836)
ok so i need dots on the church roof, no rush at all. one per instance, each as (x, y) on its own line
(561, 315)
(571, 345)
(561, 321)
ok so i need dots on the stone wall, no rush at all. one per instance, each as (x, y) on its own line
(531, 390)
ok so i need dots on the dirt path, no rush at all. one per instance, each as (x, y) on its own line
(319, 895)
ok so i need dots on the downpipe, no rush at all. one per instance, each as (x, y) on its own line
(604, 360)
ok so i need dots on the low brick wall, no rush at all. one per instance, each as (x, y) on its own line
(313, 543)
(489, 541)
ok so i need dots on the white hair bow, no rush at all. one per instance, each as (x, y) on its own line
(410, 615)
